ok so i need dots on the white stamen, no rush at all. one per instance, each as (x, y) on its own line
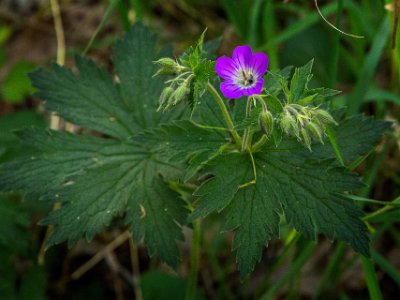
(246, 78)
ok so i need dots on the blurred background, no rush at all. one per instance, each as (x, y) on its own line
(40, 32)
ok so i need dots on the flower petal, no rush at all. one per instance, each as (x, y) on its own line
(259, 63)
(226, 67)
(242, 56)
(231, 90)
(256, 89)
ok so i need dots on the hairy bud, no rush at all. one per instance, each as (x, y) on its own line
(168, 66)
(165, 97)
(305, 138)
(289, 124)
(266, 122)
(324, 117)
(180, 94)
(316, 131)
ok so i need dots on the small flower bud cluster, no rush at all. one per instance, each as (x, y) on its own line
(305, 123)
(179, 88)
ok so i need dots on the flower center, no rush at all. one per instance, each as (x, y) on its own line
(246, 78)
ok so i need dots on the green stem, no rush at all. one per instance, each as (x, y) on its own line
(257, 146)
(225, 114)
(194, 261)
(246, 136)
(378, 212)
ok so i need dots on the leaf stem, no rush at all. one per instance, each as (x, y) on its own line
(225, 114)
(194, 261)
(390, 205)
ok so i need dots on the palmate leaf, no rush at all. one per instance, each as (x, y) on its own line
(180, 139)
(96, 178)
(307, 188)
(355, 136)
(286, 184)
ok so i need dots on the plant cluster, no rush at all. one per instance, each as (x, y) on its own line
(271, 155)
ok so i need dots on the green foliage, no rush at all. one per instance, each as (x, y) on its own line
(161, 286)
(16, 84)
(9, 143)
(124, 169)
(13, 223)
(314, 202)
(196, 58)
(30, 286)
(16, 240)
(356, 136)
(95, 178)
(179, 140)
(310, 203)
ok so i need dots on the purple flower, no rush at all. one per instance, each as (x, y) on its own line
(242, 73)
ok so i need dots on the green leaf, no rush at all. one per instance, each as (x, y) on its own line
(133, 57)
(161, 286)
(9, 143)
(355, 136)
(16, 85)
(317, 95)
(29, 286)
(308, 193)
(274, 104)
(202, 73)
(33, 284)
(216, 193)
(253, 214)
(92, 90)
(94, 178)
(207, 112)
(14, 221)
(274, 80)
(154, 213)
(181, 139)
(299, 81)
(196, 58)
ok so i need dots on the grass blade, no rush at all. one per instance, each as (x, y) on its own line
(110, 8)
(371, 279)
(356, 98)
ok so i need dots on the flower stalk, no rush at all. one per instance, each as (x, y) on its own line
(225, 113)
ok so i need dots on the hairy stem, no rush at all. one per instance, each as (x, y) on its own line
(194, 261)
(257, 146)
(247, 135)
(225, 114)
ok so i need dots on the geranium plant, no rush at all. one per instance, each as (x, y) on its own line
(265, 151)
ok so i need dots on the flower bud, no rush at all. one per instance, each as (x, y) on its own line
(324, 117)
(168, 66)
(180, 94)
(266, 122)
(305, 138)
(165, 97)
(289, 124)
(316, 131)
